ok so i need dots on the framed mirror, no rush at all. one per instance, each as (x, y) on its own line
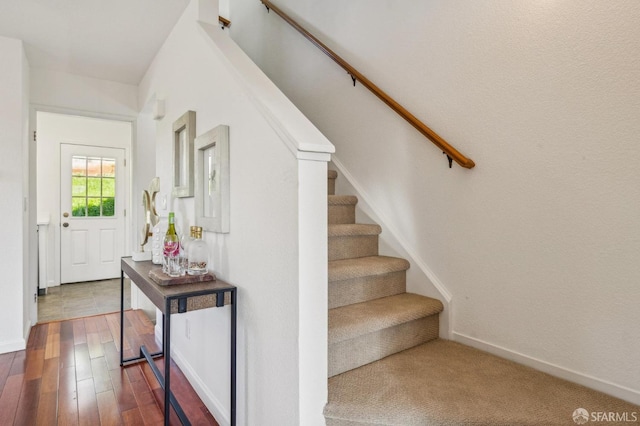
(212, 180)
(184, 132)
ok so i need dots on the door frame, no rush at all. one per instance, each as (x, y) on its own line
(53, 272)
(95, 267)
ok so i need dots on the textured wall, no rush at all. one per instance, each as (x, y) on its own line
(259, 254)
(14, 189)
(538, 244)
(79, 93)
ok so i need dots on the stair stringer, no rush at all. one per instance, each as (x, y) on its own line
(420, 278)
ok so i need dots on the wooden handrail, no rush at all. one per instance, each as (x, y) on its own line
(450, 151)
(224, 21)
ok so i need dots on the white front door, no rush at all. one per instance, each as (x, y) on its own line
(92, 197)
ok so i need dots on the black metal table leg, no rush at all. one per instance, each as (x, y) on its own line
(174, 402)
(167, 361)
(162, 298)
(121, 317)
(234, 314)
(138, 358)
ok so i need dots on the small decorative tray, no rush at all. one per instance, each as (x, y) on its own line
(161, 278)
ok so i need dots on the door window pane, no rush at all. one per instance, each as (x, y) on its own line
(93, 186)
(78, 166)
(93, 207)
(108, 167)
(78, 206)
(108, 187)
(108, 206)
(78, 186)
(94, 167)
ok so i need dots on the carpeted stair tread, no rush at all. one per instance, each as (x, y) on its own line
(352, 240)
(446, 383)
(342, 200)
(342, 209)
(331, 181)
(345, 269)
(350, 321)
(352, 229)
(357, 280)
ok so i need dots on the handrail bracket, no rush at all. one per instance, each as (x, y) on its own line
(449, 159)
(451, 153)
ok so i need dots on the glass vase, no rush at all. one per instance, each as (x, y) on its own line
(198, 254)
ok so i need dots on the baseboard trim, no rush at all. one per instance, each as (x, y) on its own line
(26, 331)
(12, 346)
(622, 392)
(214, 405)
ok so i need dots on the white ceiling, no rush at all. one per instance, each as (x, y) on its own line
(108, 39)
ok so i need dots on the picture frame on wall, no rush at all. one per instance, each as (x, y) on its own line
(184, 132)
(211, 151)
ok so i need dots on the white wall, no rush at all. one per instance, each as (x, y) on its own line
(538, 244)
(143, 161)
(46, 90)
(31, 218)
(262, 252)
(55, 129)
(17, 231)
(83, 94)
(55, 91)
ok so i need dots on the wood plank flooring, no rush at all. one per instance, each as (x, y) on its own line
(70, 375)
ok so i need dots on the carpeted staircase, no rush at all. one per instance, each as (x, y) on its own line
(388, 367)
(371, 315)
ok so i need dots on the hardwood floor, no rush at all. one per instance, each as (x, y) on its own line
(70, 375)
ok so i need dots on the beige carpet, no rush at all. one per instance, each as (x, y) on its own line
(445, 383)
(387, 367)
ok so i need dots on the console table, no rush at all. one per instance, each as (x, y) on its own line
(176, 299)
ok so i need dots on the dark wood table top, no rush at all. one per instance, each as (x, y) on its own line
(201, 295)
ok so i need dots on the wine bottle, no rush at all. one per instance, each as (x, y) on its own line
(171, 250)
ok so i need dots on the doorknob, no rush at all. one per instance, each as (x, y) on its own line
(65, 224)
(65, 214)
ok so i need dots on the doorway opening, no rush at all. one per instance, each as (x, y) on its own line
(83, 190)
